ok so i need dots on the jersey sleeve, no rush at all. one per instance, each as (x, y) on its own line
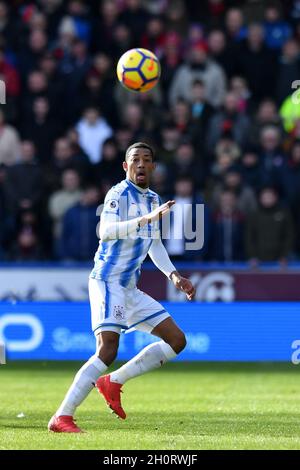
(160, 257)
(111, 207)
(113, 223)
(158, 252)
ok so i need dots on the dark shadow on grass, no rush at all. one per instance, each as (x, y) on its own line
(201, 424)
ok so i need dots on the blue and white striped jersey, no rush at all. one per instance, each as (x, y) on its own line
(120, 260)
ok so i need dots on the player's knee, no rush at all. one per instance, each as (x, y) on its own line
(178, 342)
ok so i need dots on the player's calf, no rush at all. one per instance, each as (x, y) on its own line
(107, 355)
(171, 334)
(107, 346)
(177, 342)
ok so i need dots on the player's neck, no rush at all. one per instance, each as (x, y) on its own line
(144, 190)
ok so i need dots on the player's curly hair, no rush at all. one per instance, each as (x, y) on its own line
(139, 145)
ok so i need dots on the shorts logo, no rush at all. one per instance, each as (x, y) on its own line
(119, 313)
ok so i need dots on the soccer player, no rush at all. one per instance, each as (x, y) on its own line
(129, 230)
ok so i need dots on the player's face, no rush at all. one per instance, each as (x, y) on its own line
(139, 167)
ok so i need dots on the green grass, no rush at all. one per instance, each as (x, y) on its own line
(182, 406)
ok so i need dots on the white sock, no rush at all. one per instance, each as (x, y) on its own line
(82, 384)
(151, 357)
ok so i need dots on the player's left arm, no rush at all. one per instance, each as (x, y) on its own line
(160, 258)
(184, 284)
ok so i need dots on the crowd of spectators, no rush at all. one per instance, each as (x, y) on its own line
(224, 121)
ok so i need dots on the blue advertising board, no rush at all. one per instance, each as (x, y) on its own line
(215, 332)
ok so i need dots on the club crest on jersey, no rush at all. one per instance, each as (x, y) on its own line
(119, 312)
(154, 203)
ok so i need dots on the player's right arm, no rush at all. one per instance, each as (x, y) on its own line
(111, 225)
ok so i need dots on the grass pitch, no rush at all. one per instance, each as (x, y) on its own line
(182, 406)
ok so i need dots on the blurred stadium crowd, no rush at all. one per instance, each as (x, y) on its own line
(224, 121)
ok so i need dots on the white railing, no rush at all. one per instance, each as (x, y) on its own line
(2, 353)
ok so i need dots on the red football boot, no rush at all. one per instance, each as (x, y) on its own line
(63, 424)
(112, 394)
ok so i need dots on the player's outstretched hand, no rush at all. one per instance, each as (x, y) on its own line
(157, 213)
(183, 284)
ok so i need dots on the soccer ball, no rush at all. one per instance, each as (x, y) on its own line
(138, 70)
